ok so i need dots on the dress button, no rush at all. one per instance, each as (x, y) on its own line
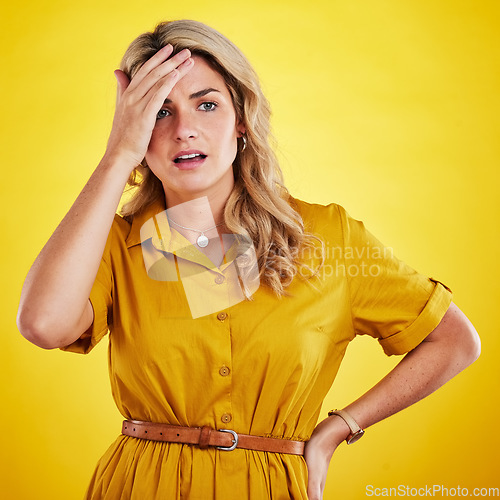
(222, 316)
(219, 279)
(226, 418)
(224, 371)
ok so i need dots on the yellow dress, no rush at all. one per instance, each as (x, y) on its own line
(260, 366)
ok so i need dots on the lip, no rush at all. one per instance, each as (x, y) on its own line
(188, 152)
(189, 164)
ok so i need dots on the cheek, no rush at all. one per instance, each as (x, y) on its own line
(158, 149)
(228, 136)
(156, 139)
(229, 145)
(155, 153)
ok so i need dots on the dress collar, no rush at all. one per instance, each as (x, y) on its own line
(152, 223)
(139, 219)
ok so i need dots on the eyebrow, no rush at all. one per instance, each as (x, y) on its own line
(197, 95)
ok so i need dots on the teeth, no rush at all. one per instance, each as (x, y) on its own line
(187, 157)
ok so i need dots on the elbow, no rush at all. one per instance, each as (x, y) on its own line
(38, 331)
(461, 337)
(33, 332)
(468, 347)
(474, 346)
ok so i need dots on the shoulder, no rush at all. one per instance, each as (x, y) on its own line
(120, 229)
(317, 216)
(118, 236)
(332, 223)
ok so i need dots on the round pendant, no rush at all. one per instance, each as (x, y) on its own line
(202, 241)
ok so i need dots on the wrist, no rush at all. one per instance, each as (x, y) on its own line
(332, 431)
(355, 431)
(118, 162)
(339, 430)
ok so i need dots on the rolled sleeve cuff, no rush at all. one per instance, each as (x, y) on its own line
(430, 317)
(97, 330)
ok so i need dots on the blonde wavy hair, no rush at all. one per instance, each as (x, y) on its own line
(259, 207)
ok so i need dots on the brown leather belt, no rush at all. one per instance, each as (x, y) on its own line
(223, 439)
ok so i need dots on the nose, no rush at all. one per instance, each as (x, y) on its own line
(184, 126)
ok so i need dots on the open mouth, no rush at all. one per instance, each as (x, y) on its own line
(190, 157)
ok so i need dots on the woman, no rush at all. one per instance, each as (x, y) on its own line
(191, 130)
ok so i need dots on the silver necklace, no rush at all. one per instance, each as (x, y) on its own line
(202, 240)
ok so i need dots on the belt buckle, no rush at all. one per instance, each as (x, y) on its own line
(235, 441)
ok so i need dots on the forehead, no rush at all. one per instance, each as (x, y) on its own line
(199, 77)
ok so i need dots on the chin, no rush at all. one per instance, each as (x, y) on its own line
(189, 189)
(199, 183)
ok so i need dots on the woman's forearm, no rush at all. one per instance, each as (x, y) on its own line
(54, 308)
(450, 348)
(54, 305)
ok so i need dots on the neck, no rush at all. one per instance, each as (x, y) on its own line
(195, 221)
(207, 205)
(197, 213)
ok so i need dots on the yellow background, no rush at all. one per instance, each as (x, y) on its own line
(388, 107)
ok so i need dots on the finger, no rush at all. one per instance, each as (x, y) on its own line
(157, 73)
(314, 490)
(122, 81)
(157, 95)
(162, 55)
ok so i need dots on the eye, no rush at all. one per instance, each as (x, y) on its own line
(207, 106)
(162, 114)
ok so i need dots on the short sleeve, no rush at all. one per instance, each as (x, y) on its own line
(101, 300)
(390, 301)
